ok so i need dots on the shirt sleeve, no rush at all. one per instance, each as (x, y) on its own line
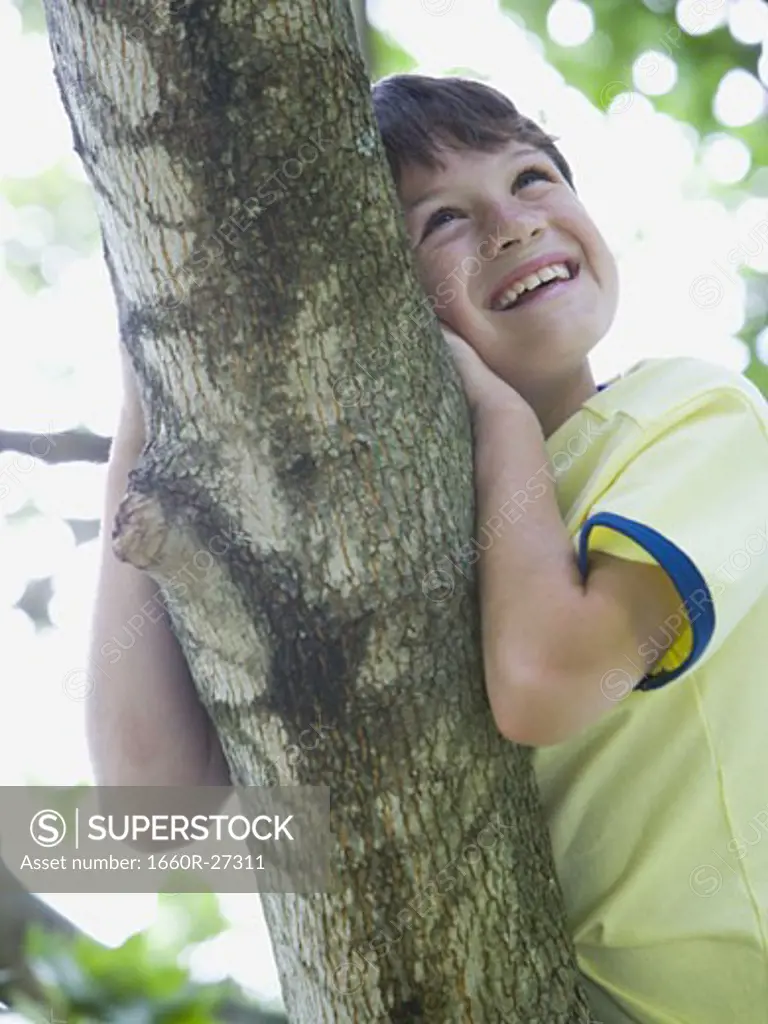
(694, 500)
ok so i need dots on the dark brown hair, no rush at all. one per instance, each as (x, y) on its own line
(418, 115)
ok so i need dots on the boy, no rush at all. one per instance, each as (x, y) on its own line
(624, 633)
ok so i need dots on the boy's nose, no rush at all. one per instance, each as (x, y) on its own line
(512, 223)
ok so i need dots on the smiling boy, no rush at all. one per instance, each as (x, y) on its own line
(624, 606)
(526, 373)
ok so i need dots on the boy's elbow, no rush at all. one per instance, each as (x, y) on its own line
(525, 730)
(534, 711)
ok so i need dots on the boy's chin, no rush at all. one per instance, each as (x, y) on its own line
(577, 334)
(560, 341)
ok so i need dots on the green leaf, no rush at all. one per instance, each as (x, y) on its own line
(189, 918)
(387, 57)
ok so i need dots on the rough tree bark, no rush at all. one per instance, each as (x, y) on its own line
(261, 270)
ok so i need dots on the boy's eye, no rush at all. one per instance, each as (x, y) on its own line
(531, 173)
(436, 220)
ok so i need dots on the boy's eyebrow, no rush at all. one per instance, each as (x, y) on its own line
(410, 207)
(423, 199)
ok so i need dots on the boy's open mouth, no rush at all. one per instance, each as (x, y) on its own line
(547, 278)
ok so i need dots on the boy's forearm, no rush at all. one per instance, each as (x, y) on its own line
(528, 573)
(145, 722)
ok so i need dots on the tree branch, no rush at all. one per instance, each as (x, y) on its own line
(65, 446)
(19, 910)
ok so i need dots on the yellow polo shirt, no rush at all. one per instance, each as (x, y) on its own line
(659, 812)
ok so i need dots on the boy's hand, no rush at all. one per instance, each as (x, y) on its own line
(483, 388)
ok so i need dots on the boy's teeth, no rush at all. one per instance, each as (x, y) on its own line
(542, 276)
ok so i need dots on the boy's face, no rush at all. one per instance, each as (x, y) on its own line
(475, 225)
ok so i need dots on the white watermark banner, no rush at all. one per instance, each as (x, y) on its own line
(166, 839)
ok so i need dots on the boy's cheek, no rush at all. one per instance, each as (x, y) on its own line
(442, 297)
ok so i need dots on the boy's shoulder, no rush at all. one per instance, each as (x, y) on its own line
(657, 392)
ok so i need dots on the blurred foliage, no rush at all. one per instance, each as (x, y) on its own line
(53, 211)
(626, 29)
(141, 981)
(32, 15)
(388, 58)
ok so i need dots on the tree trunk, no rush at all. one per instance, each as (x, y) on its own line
(360, 16)
(253, 238)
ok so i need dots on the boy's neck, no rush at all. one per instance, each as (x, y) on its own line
(558, 399)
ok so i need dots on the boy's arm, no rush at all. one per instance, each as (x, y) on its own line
(145, 723)
(550, 640)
